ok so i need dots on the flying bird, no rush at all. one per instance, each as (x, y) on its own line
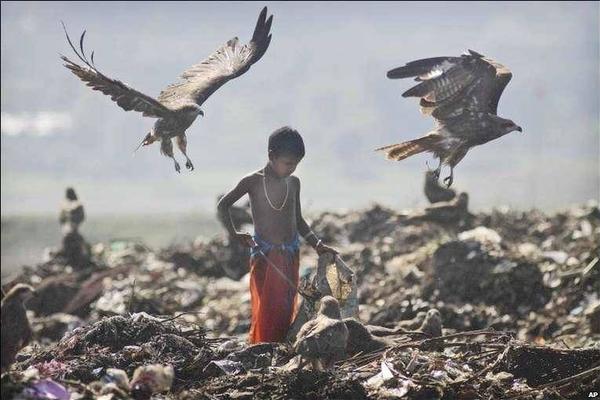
(322, 340)
(178, 105)
(461, 94)
(16, 331)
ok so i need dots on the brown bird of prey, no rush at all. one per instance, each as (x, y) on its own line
(177, 106)
(322, 340)
(16, 331)
(71, 212)
(435, 192)
(461, 94)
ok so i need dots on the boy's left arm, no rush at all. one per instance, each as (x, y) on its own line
(305, 231)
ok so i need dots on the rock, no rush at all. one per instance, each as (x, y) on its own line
(223, 367)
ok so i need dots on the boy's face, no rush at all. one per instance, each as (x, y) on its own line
(283, 165)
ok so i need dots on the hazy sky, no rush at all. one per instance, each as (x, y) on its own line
(324, 74)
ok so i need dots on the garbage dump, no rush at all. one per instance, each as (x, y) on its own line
(517, 295)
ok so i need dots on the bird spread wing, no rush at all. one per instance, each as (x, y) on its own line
(455, 86)
(126, 97)
(228, 62)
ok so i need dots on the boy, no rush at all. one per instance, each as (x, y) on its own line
(275, 204)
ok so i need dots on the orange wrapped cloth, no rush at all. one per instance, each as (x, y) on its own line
(273, 298)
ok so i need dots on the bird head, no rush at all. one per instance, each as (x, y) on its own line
(330, 307)
(463, 201)
(70, 194)
(433, 313)
(506, 126)
(193, 110)
(503, 125)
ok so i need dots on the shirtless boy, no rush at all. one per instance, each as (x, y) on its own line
(278, 223)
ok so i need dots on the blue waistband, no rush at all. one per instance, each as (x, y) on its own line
(291, 247)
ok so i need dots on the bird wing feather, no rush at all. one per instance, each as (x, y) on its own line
(331, 336)
(126, 97)
(231, 60)
(453, 87)
(306, 330)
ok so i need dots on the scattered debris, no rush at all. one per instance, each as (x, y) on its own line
(516, 293)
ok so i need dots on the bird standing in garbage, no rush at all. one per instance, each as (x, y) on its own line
(71, 212)
(461, 94)
(432, 325)
(178, 106)
(16, 331)
(450, 212)
(322, 340)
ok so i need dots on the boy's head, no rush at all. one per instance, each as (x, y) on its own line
(286, 150)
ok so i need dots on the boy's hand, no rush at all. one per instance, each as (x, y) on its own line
(323, 248)
(245, 239)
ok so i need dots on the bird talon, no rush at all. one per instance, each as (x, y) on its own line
(189, 165)
(448, 180)
(436, 172)
(177, 168)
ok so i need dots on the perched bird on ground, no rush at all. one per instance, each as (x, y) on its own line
(432, 325)
(411, 324)
(461, 94)
(177, 106)
(16, 331)
(447, 212)
(71, 212)
(322, 340)
(360, 338)
(434, 191)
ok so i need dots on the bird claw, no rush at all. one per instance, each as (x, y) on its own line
(189, 165)
(448, 180)
(177, 167)
(436, 172)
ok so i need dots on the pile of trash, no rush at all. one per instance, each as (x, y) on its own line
(517, 293)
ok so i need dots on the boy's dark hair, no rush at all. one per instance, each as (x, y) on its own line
(286, 141)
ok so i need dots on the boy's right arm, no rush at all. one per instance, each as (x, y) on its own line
(242, 188)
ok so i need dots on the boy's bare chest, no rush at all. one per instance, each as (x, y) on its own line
(273, 195)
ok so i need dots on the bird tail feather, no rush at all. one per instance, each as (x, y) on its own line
(403, 150)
